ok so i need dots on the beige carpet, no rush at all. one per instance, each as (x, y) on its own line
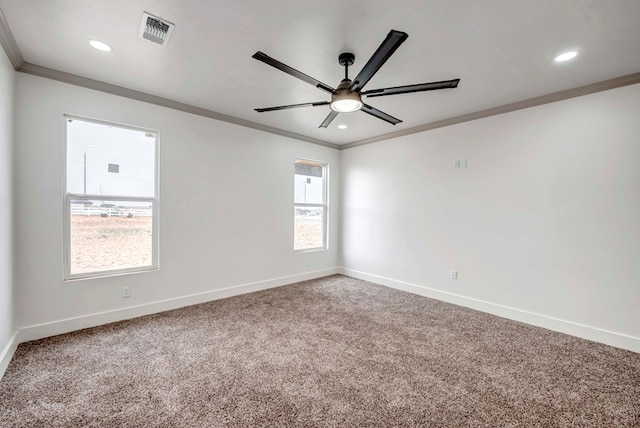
(329, 352)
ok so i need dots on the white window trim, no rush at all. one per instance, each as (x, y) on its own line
(325, 206)
(154, 200)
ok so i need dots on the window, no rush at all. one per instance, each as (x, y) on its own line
(310, 206)
(111, 206)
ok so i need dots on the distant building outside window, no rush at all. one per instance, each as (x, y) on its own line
(310, 205)
(111, 205)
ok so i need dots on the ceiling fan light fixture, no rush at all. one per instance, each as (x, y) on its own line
(346, 102)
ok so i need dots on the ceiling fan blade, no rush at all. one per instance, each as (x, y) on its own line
(432, 86)
(380, 115)
(319, 103)
(385, 50)
(292, 71)
(328, 119)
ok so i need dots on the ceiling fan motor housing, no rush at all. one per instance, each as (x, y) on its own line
(346, 59)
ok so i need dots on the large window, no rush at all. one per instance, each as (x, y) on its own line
(111, 207)
(310, 206)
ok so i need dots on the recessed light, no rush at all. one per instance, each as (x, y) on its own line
(343, 126)
(101, 46)
(566, 56)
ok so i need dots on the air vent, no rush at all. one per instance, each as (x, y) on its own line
(155, 30)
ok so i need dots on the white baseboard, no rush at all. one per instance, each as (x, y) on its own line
(595, 334)
(41, 331)
(7, 353)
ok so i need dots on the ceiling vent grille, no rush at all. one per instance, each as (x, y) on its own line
(155, 30)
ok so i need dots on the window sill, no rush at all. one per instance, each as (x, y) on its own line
(107, 274)
(310, 250)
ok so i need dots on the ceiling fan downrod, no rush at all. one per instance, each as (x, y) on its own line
(346, 59)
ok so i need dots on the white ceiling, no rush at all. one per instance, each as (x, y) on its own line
(502, 50)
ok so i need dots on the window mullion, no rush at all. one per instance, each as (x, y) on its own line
(110, 197)
(310, 205)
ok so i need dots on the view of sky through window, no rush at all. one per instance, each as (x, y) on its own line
(108, 160)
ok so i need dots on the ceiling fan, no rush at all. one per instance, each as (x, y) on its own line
(347, 97)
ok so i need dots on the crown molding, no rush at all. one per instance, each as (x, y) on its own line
(9, 43)
(604, 85)
(617, 82)
(61, 76)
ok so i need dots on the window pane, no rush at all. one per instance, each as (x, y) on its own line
(308, 183)
(109, 236)
(108, 160)
(308, 228)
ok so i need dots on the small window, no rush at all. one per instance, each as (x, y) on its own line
(111, 207)
(310, 206)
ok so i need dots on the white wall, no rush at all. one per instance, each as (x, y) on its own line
(543, 225)
(7, 326)
(7, 85)
(226, 210)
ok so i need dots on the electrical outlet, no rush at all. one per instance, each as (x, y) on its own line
(460, 163)
(126, 292)
(454, 274)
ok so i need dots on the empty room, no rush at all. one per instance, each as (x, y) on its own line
(319, 213)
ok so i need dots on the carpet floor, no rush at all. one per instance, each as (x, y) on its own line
(334, 351)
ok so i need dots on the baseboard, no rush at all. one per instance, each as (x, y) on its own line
(7, 353)
(40, 331)
(563, 326)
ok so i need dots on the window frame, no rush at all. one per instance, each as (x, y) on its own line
(324, 206)
(68, 197)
